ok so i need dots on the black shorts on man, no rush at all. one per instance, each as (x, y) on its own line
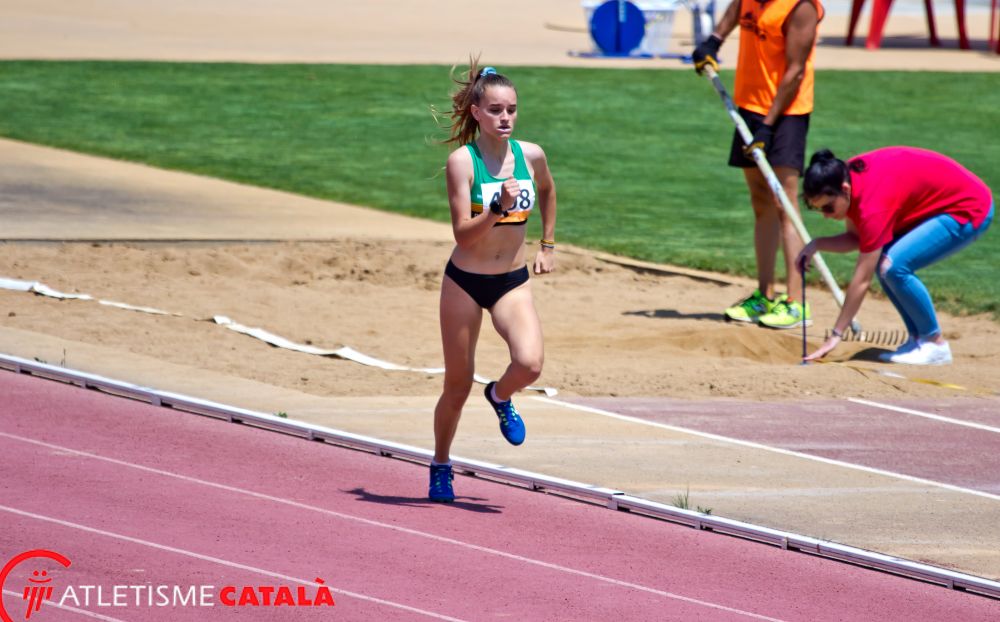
(788, 146)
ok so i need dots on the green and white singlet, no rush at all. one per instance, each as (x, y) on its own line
(488, 186)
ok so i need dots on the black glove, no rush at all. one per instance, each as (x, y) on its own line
(707, 53)
(762, 139)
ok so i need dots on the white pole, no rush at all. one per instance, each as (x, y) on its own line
(776, 188)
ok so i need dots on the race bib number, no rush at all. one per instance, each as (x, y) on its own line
(525, 198)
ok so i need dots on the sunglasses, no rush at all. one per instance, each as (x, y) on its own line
(827, 208)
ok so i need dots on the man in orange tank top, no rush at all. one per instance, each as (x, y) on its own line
(774, 94)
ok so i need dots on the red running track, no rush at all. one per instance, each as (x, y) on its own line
(138, 495)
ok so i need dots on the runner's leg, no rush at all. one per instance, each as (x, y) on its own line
(516, 320)
(461, 319)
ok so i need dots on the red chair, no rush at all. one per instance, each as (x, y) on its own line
(880, 11)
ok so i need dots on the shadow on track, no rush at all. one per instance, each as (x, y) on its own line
(370, 497)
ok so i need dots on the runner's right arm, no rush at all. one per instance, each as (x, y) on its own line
(459, 174)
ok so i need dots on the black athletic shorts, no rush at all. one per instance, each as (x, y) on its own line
(788, 147)
(486, 289)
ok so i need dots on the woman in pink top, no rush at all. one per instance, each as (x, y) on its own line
(904, 209)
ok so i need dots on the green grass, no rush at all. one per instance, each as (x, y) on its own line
(638, 155)
(682, 500)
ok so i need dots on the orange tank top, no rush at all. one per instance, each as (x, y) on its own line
(761, 61)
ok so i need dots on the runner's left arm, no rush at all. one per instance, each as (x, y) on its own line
(545, 260)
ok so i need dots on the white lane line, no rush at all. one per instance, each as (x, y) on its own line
(83, 612)
(777, 450)
(397, 528)
(917, 413)
(223, 562)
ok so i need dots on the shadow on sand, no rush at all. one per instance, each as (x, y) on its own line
(673, 314)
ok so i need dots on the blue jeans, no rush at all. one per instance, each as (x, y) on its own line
(927, 243)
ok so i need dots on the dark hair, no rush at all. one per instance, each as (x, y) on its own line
(463, 125)
(827, 174)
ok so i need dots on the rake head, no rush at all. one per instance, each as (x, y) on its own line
(874, 337)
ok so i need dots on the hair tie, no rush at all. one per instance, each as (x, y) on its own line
(487, 71)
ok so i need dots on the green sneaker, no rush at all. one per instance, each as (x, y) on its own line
(786, 314)
(752, 307)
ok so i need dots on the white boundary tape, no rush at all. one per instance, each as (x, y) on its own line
(613, 499)
(345, 352)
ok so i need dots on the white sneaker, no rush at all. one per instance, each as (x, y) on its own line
(910, 344)
(927, 353)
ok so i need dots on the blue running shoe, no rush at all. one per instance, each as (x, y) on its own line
(440, 489)
(511, 425)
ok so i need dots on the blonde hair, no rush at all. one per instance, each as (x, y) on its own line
(471, 89)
